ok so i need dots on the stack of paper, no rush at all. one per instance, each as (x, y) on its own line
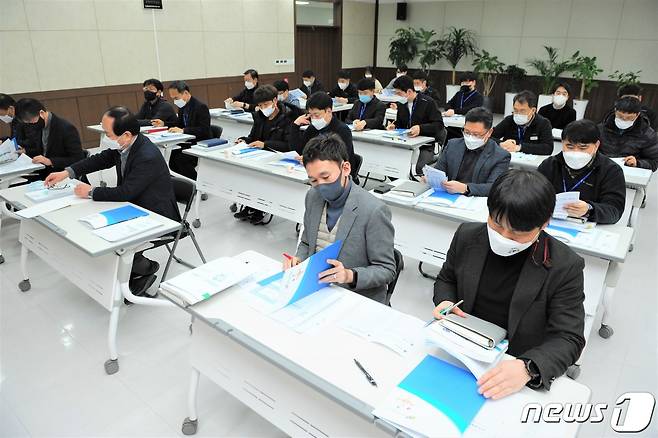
(124, 230)
(435, 177)
(207, 280)
(20, 163)
(113, 216)
(8, 151)
(561, 201)
(38, 192)
(246, 152)
(454, 200)
(288, 160)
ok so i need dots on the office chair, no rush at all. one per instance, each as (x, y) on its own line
(399, 266)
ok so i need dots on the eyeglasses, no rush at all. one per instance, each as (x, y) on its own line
(479, 135)
(56, 187)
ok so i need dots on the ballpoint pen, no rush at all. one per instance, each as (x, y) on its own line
(365, 373)
(444, 312)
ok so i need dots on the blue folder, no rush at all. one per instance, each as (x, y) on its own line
(441, 194)
(570, 231)
(449, 388)
(122, 214)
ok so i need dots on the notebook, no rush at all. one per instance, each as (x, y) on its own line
(474, 329)
(410, 189)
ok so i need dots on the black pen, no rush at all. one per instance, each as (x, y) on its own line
(365, 373)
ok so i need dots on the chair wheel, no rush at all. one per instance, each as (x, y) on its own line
(25, 285)
(196, 223)
(189, 426)
(605, 331)
(204, 196)
(631, 248)
(233, 208)
(573, 371)
(111, 366)
(2, 259)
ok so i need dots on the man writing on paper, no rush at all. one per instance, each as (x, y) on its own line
(338, 209)
(368, 112)
(142, 178)
(511, 273)
(580, 167)
(473, 163)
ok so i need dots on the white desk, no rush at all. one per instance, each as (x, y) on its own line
(253, 182)
(100, 268)
(233, 125)
(10, 173)
(308, 385)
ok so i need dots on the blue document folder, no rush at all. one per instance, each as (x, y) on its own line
(441, 194)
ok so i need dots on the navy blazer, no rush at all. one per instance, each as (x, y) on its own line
(146, 181)
(64, 147)
(492, 162)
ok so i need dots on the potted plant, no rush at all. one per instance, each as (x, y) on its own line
(516, 76)
(455, 45)
(488, 68)
(429, 51)
(631, 77)
(585, 70)
(550, 69)
(403, 48)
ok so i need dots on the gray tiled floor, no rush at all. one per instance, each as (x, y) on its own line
(53, 344)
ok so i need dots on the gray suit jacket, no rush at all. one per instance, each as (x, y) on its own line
(493, 162)
(367, 233)
(546, 315)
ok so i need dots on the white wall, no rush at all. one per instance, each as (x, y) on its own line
(60, 44)
(622, 34)
(358, 33)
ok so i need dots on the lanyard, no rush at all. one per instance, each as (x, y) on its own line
(520, 132)
(461, 105)
(362, 111)
(564, 183)
(186, 118)
(411, 113)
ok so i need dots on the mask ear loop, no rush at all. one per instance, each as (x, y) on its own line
(546, 262)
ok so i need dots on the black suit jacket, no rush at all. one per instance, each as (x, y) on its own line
(425, 114)
(274, 133)
(197, 115)
(25, 136)
(461, 102)
(546, 314)
(146, 181)
(373, 115)
(537, 138)
(349, 93)
(247, 96)
(64, 147)
(160, 109)
(317, 86)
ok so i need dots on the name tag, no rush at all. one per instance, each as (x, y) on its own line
(534, 137)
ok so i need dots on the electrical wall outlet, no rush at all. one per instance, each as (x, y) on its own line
(290, 61)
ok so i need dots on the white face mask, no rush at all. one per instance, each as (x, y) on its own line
(623, 124)
(473, 142)
(249, 85)
(418, 88)
(281, 98)
(319, 123)
(403, 99)
(559, 100)
(397, 75)
(180, 103)
(110, 144)
(576, 159)
(521, 119)
(6, 119)
(308, 83)
(267, 111)
(505, 247)
(342, 85)
(367, 76)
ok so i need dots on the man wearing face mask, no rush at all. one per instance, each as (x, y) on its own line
(293, 104)
(24, 136)
(368, 74)
(421, 86)
(513, 274)
(320, 120)
(142, 178)
(193, 119)
(310, 84)
(525, 130)
(245, 99)
(635, 90)
(368, 112)
(57, 140)
(344, 91)
(338, 209)
(466, 98)
(560, 113)
(474, 162)
(627, 134)
(418, 113)
(155, 107)
(402, 70)
(579, 167)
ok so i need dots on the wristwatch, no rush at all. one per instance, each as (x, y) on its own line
(590, 209)
(533, 371)
(468, 191)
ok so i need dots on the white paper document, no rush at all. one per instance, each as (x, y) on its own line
(313, 312)
(8, 151)
(52, 205)
(561, 201)
(38, 192)
(435, 177)
(124, 230)
(23, 162)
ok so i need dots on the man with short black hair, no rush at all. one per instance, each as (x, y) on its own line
(559, 112)
(422, 86)
(368, 112)
(525, 130)
(513, 274)
(635, 90)
(193, 119)
(142, 178)
(466, 98)
(580, 167)
(627, 134)
(473, 162)
(245, 99)
(155, 106)
(417, 113)
(310, 84)
(320, 120)
(338, 209)
(23, 136)
(401, 70)
(344, 91)
(57, 142)
(293, 104)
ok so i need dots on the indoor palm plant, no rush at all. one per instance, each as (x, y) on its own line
(550, 70)
(488, 67)
(429, 49)
(625, 78)
(585, 69)
(456, 44)
(403, 47)
(516, 75)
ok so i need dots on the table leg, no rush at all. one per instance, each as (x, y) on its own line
(191, 422)
(611, 280)
(112, 364)
(24, 285)
(196, 223)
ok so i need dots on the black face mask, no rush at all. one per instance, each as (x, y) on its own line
(39, 124)
(465, 88)
(150, 95)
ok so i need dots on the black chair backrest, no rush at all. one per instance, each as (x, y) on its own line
(216, 131)
(399, 265)
(358, 161)
(184, 190)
